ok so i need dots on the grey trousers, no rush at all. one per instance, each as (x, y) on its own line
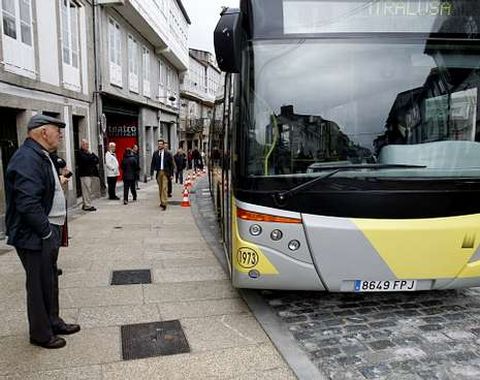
(42, 290)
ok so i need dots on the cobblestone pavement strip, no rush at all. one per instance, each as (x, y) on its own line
(422, 335)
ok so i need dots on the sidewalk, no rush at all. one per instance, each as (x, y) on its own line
(188, 284)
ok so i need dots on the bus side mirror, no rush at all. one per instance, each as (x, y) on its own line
(228, 40)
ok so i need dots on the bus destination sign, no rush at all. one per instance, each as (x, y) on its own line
(410, 8)
(353, 16)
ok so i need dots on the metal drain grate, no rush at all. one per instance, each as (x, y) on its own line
(146, 340)
(130, 277)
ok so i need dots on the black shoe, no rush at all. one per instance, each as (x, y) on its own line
(163, 207)
(117, 198)
(67, 329)
(54, 342)
(59, 272)
(125, 202)
(169, 195)
(89, 208)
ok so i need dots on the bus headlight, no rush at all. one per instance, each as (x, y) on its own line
(255, 230)
(276, 235)
(294, 245)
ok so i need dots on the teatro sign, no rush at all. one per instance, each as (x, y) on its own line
(122, 130)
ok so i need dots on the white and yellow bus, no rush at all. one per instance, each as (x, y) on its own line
(349, 152)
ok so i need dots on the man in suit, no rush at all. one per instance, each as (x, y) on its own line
(36, 210)
(162, 164)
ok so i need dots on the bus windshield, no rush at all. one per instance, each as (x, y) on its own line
(321, 102)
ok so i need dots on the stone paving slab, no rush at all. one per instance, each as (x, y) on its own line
(186, 274)
(10, 282)
(192, 309)
(189, 291)
(118, 315)
(122, 264)
(80, 373)
(91, 346)
(162, 254)
(103, 296)
(84, 278)
(225, 331)
(219, 364)
(274, 374)
(184, 263)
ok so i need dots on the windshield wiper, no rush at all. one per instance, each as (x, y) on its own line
(281, 197)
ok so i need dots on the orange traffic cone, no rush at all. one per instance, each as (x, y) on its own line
(194, 177)
(185, 201)
(187, 182)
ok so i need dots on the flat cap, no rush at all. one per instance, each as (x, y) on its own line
(38, 120)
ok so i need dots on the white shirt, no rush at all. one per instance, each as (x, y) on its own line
(161, 159)
(58, 212)
(111, 164)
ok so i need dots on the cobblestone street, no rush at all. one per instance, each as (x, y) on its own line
(395, 336)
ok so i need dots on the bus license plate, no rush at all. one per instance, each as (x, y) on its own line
(385, 286)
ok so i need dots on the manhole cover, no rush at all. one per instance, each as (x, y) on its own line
(174, 203)
(146, 340)
(130, 277)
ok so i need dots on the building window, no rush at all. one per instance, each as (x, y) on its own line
(17, 38)
(70, 45)
(132, 64)
(17, 16)
(146, 72)
(115, 52)
(161, 81)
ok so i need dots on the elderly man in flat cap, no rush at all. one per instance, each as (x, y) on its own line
(36, 210)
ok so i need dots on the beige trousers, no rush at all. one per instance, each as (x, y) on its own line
(86, 191)
(162, 181)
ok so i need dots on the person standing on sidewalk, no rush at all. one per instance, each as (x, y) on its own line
(162, 164)
(130, 170)
(111, 165)
(36, 209)
(180, 165)
(87, 171)
(170, 179)
(137, 156)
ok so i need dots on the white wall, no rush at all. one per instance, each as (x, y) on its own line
(48, 41)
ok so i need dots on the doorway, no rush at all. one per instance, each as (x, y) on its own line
(76, 122)
(8, 136)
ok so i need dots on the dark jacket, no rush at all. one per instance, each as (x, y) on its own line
(29, 188)
(180, 161)
(129, 167)
(167, 164)
(87, 164)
